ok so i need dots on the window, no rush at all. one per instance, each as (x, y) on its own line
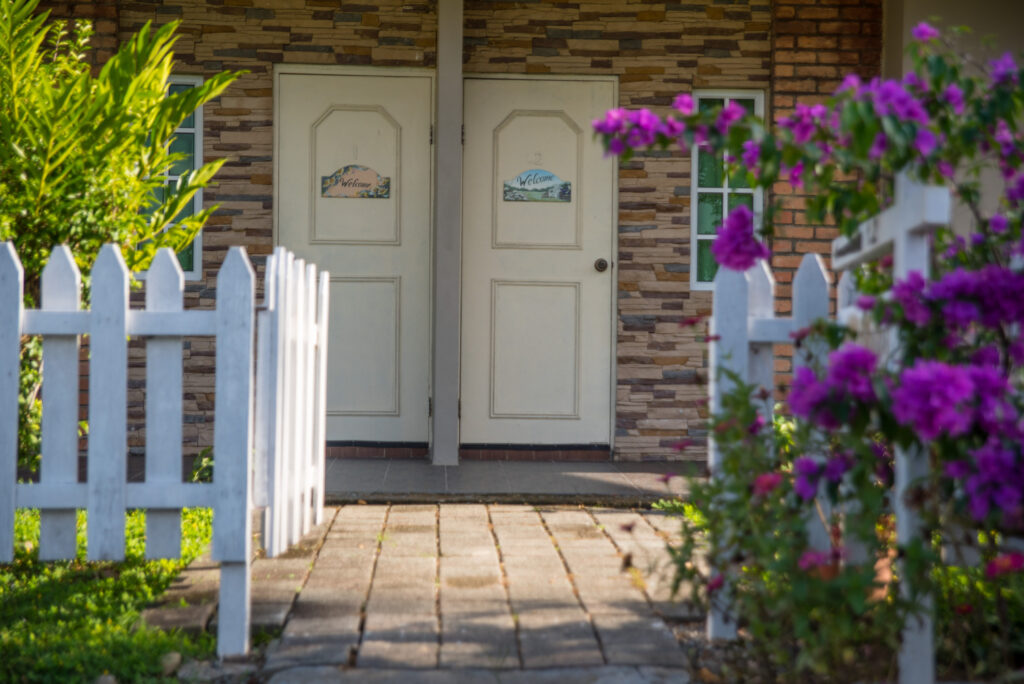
(712, 194)
(188, 139)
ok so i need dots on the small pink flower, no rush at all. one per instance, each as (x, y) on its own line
(765, 483)
(715, 583)
(1004, 564)
(814, 559)
(683, 444)
(666, 478)
(925, 32)
(865, 302)
(683, 104)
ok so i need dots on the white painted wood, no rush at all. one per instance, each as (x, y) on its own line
(61, 291)
(263, 404)
(172, 324)
(770, 330)
(232, 538)
(309, 443)
(137, 495)
(378, 385)
(165, 285)
(536, 336)
(300, 454)
(279, 505)
(320, 394)
(37, 322)
(233, 608)
(108, 382)
(761, 362)
(232, 437)
(918, 209)
(11, 298)
(292, 386)
(917, 650)
(728, 351)
(444, 448)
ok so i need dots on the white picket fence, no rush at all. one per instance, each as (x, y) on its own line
(290, 436)
(744, 321)
(288, 430)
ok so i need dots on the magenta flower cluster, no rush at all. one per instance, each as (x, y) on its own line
(847, 380)
(736, 246)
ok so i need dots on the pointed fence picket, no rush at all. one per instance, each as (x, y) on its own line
(743, 318)
(290, 435)
(287, 434)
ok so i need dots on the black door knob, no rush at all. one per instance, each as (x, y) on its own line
(601, 265)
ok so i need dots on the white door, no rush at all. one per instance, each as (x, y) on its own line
(354, 195)
(538, 201)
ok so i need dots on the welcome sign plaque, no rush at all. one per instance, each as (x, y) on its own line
(355, 181)
(537, 185)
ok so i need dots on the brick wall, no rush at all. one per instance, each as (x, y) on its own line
(815, 43)
(656, 49)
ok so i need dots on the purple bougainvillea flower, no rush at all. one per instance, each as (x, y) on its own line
(671, 128)
(909, 293)
(878, 147)
(1004, 68)
(924, 32)
(932, 398)
(925, 142)
(796, 175)
(838, 466)
(946, 169)
(683, 104)
(850, 82)
(736, 247)
(715, 583)
(766, 483)
(729, 115)
(808, 471)
(806, 392)
(813, 559)
(615, 147)
(998, 224)
(614, 121)
(666, 478)
(849, 372)
(751, 153)
(954, 96)
(756, 426)
(865, 302)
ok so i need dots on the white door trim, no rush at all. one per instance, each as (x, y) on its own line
(613, 324)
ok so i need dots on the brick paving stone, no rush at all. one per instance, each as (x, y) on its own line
(638, 640)
(481, 639)
(634, 534)
(399, 640)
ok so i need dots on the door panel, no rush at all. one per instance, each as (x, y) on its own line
(537, 213)
(354, 196)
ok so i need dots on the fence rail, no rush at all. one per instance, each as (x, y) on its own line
(287, 428)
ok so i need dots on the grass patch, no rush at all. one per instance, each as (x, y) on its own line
(74, 620)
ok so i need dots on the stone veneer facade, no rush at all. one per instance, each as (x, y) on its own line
(790, 49)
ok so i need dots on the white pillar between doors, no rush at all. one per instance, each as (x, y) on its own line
(448, 242)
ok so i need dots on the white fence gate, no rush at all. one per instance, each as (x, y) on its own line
(288, 470)
(743, 317)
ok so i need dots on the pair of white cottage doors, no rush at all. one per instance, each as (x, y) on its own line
(354, 193)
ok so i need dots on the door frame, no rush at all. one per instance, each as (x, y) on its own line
(613, 324)
(376, 71)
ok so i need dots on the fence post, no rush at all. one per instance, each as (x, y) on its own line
(61, 291)
(911, 252)
(108, 412)
(279, 340)
(12, 279)
(810, 303)
(728, 351)
(232, 439)
(761, 369)
(165, 285)
(320, 405)
(263, 478)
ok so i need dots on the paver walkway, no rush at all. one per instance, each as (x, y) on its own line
(474, 592)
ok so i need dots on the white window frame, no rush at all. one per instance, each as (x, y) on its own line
(196, 272)
(726, 95)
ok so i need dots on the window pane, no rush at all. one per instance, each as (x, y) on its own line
(709, 213)
(184, 143)
(190, 120)
(706, 104)
(709, 170)
(158, 195)
(186, 257)
(736, 199)
(746, 104)
(707, 267)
